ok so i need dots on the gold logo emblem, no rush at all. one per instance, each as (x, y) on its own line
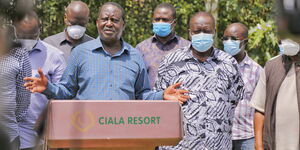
(83, 120)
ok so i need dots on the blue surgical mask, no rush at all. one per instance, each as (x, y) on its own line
(232, 47)
(162, 29)
(202, 42)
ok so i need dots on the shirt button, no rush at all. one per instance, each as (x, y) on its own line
(110, 71)
(110, 85)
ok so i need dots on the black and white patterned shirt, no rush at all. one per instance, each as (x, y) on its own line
(215, 87)
(14, 98)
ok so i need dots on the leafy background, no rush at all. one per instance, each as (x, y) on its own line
(258, 15)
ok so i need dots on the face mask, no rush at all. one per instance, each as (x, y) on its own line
(289, 47)
(162, 29)
(28, 44)
(202, 42)
(76, 31)
(232, 47)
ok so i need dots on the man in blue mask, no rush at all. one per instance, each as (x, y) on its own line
(164, 40)
(235, 40)
(76, 19)
(214, 83)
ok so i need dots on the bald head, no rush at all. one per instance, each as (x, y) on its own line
(238, 30)
(77, 13)
(203, 17)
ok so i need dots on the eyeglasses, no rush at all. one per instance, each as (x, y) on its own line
(225, 38)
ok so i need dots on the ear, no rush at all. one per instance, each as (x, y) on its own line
(190, 35)
(65, 19)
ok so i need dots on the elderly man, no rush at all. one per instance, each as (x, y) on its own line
(106, 68)
(235, 39)
(164, 40)
(41, 55)
(214, 83)
(276, 101)
(76, 19)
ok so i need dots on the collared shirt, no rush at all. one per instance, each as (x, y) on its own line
(287, 111)
(93, 74)
(15, 99)
(51, 61)
(215, 87)
(153, 52)
(60, 41)
(243, 119)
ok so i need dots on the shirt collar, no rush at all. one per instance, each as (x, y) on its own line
(39, 46)
(173, 38)
(212, 56)
(246, 60)
(62, 37)
(97, 45)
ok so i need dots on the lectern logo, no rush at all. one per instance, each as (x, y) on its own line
(83, 120)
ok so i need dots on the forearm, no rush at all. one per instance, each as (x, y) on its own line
(58, 91)
(258, 130)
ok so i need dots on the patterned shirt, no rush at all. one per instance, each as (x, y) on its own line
(52, 62)
(93, 74)
(60, 41)
(243, 120)
(153, 52)
(215, 87)
(14, 98)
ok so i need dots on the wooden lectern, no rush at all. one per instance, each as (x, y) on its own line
(113, 124)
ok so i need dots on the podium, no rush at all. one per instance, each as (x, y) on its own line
(113, 124)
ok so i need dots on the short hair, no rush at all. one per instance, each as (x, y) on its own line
(167, 6)
(116, 5)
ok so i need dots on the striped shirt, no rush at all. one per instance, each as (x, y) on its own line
(243, 120)
(52, 62)
(14, 98)
(215, 87)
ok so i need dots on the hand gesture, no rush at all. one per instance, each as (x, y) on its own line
(171, 93)
(36, 84)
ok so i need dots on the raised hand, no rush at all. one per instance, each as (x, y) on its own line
(36, 84)
(172, 93)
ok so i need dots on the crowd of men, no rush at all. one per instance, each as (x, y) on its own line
(228, 100)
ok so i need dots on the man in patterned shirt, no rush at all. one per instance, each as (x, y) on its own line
(214, 83)
(163, 41)
(14, 98)
(235, 39)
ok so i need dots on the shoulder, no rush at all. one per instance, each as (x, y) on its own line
(254, 64)
(52, 38)
(87, 38)
(177, 55)
(224, 57)
(144, 43)
(53, 52)
(183, 40)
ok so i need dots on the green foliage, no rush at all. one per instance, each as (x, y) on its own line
(262, 42)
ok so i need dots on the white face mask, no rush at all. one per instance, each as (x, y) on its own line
(76, 31)
(289, 47)
(28, 44)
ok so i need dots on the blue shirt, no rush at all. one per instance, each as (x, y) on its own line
(92, 73)
(52, 62)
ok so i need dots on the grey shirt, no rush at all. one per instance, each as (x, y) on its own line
(60, 41)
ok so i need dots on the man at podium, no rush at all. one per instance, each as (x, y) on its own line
(106, 68)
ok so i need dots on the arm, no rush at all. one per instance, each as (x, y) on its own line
(22, 95)
(65, 89)
(258, 130)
